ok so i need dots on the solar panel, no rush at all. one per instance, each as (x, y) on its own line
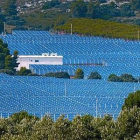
(40, 95)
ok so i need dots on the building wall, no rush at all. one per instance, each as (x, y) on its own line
(25, 61)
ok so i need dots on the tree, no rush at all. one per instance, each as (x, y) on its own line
(58, 75)
(1, 26)
(107, 128)
(14, 61)
(102, 1)
(18, 117)
(7, 71)
(79, 8)
(132, 100)
(126, 10)
(122, 78)
(127, 125)
(50, 4)
(10, 7)
(11, 62)
(24, 71)
(94, 75)
(62, 75)
(79, 74)
(114, 78)
(128, 78)
(42, 130)
(4, 52)
(8, 62)
(61, 129)
(78, 129)
(108, 11)
(93, 10)
(2, 60)
(135, 4)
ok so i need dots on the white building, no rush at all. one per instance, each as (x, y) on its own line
(45, 58)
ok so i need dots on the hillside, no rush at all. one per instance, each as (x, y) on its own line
(98, 27)
(46, 15)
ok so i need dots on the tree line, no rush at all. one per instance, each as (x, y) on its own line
(95, 9)
(79, 74)
(122, 78)
(23, 126)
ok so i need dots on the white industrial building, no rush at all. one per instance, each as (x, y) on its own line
(45, 58)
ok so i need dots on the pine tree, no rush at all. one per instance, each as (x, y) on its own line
(79, 74)
(8, 62)
(14, 61)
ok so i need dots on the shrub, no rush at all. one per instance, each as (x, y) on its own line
(32, 74)
(94, 75)
(24, 71)
(7, 71)
(79, 74)
(114, 78)
(132, 100)
(58, 75)
(128, 78)
(122, 78)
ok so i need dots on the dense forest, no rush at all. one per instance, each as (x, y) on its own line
(22, 126)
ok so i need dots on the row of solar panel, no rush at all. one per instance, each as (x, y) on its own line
(42, 95)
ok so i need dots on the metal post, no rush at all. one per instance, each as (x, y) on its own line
(96, 107)
(138, 35)
(65, 89)
(134, 89)
(4, 28)
(71, 29)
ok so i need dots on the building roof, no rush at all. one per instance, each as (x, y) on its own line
(39, 56)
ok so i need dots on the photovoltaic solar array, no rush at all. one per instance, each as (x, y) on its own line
(40, 95)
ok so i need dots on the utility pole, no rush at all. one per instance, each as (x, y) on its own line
(134, 88)
(71, 28)
(65, 89)
(96, 107)
(4, 29)
(138, 35)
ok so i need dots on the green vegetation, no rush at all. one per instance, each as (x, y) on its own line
(23, 71)
(94, 75)
(79, 74)
(132, 100)
(58, 75)
(9, 14)
(98, 27)
(1, 26)
(122, 78)
(54, 13)
(50, 4)
(51, 14)
(6, 60)
(7, 71)
(22, 126)
(114, 78)
(95, 10)
(128, 78)
(79, 8)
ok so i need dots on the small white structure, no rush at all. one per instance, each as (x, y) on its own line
(45, 58)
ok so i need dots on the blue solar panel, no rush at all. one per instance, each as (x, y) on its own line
(40, 95)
